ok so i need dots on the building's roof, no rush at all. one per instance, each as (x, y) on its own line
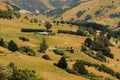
(43, 33)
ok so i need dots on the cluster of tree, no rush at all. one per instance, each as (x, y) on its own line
(93, 25)
(12, 46)
(34, 30)
(11, 72)
(58, 22)
(102, 68)
(98, 55)
(27, 51)
(43, 46)
(33, 20)
(80, 13)
(115, 15)
(70, 49)
(80, 32)
(59, 52)
(100, 43)
(9, 14)
(79, 69)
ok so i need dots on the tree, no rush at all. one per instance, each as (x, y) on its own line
(88, 17)
(62, 63)
(12, 46)
(48, 25)
(88, 42)
(2, 42)
(43, 46)
(80, 68)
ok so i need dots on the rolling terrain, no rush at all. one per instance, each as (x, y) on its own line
(10, 29)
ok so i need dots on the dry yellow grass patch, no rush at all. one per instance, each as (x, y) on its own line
(42, 67)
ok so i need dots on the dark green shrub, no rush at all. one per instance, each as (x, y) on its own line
(27, 51)
(80, 13)
(46, 57)
(72, 71)
(59, 52)
(100, 56)
(66, 32)
(23, 38)
(81, 32)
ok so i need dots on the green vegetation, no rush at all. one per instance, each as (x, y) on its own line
(27, 51)
(11, 72)
(98, 12)
(80, 68)
(59, 52)
(80, 13)
(88, 17)
(99, 43)
(62, 63)
(43, 46)
(46, 57)
(48, 25)
(12, 46)
(9, 14)
(23, 38)
(2, 43)
(34, 30)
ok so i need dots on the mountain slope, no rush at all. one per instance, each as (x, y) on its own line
(102, 9)
(44, 5)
